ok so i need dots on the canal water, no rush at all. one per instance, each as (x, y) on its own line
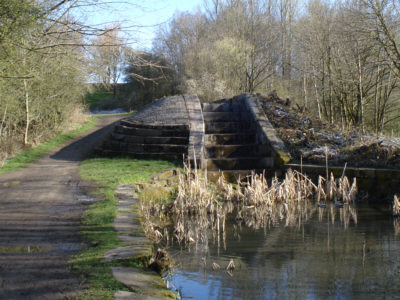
(334, 254)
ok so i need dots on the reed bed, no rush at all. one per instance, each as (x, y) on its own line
(201, 208)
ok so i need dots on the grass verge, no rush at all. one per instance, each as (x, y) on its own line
(125, 114)
(26, 157)
(97, 223)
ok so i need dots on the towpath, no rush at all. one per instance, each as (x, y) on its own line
(40, 212)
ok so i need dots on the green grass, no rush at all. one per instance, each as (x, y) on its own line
(126, 114)
(97, 230)
(96, 98)
(26, 157)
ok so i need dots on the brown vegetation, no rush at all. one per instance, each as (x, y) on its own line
(201, 208)
(396, 206)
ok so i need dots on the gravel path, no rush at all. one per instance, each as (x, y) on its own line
(40, 212)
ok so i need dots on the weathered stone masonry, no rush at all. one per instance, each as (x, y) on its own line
(167, 128)
(228, 134)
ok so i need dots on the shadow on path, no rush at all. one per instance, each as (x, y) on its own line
(81, 148)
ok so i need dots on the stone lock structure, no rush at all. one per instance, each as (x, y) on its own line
(228, 134)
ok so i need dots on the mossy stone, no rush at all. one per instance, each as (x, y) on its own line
(281, 158)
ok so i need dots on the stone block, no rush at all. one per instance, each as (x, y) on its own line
(140, 253)
(148, 283)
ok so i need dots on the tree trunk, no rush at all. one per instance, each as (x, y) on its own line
(3, 120)
(27, 116)
(305, 91)
(361, 96)
(317, 96)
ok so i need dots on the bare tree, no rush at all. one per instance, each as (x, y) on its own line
(107, 57)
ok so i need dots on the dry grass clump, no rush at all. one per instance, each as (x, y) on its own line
(291, 199)
(396, 205)
(195, 194)
(76, 117)
(200, 208)
(337, 189)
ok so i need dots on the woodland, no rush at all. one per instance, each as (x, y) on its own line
(338, 61)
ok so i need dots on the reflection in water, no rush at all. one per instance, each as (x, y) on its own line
(330, 252)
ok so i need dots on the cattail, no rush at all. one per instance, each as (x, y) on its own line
(396, 206)
(231, 265)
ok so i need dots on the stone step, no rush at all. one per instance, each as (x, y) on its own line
(229, 138)
(244, 163)
(229, 127)
(238, 151)
(149, 139)
(226, 116)
(158, 126)
(121, 129)
(146, 148)
(223, 106)
(148, 285)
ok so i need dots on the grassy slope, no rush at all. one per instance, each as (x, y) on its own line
(96, 98)
(22, 159)
(97, 229)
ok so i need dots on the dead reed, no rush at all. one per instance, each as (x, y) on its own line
(396, 205)
(200, 208)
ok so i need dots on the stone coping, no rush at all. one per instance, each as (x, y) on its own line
(197, 129)
(266, 131)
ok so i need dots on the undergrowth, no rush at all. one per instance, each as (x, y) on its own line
(26, 157)
(96, 98)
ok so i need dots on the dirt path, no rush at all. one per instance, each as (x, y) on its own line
(40, 213)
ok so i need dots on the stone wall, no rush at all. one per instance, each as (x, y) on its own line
(167, 128)
(265, 131)
(177, 110)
